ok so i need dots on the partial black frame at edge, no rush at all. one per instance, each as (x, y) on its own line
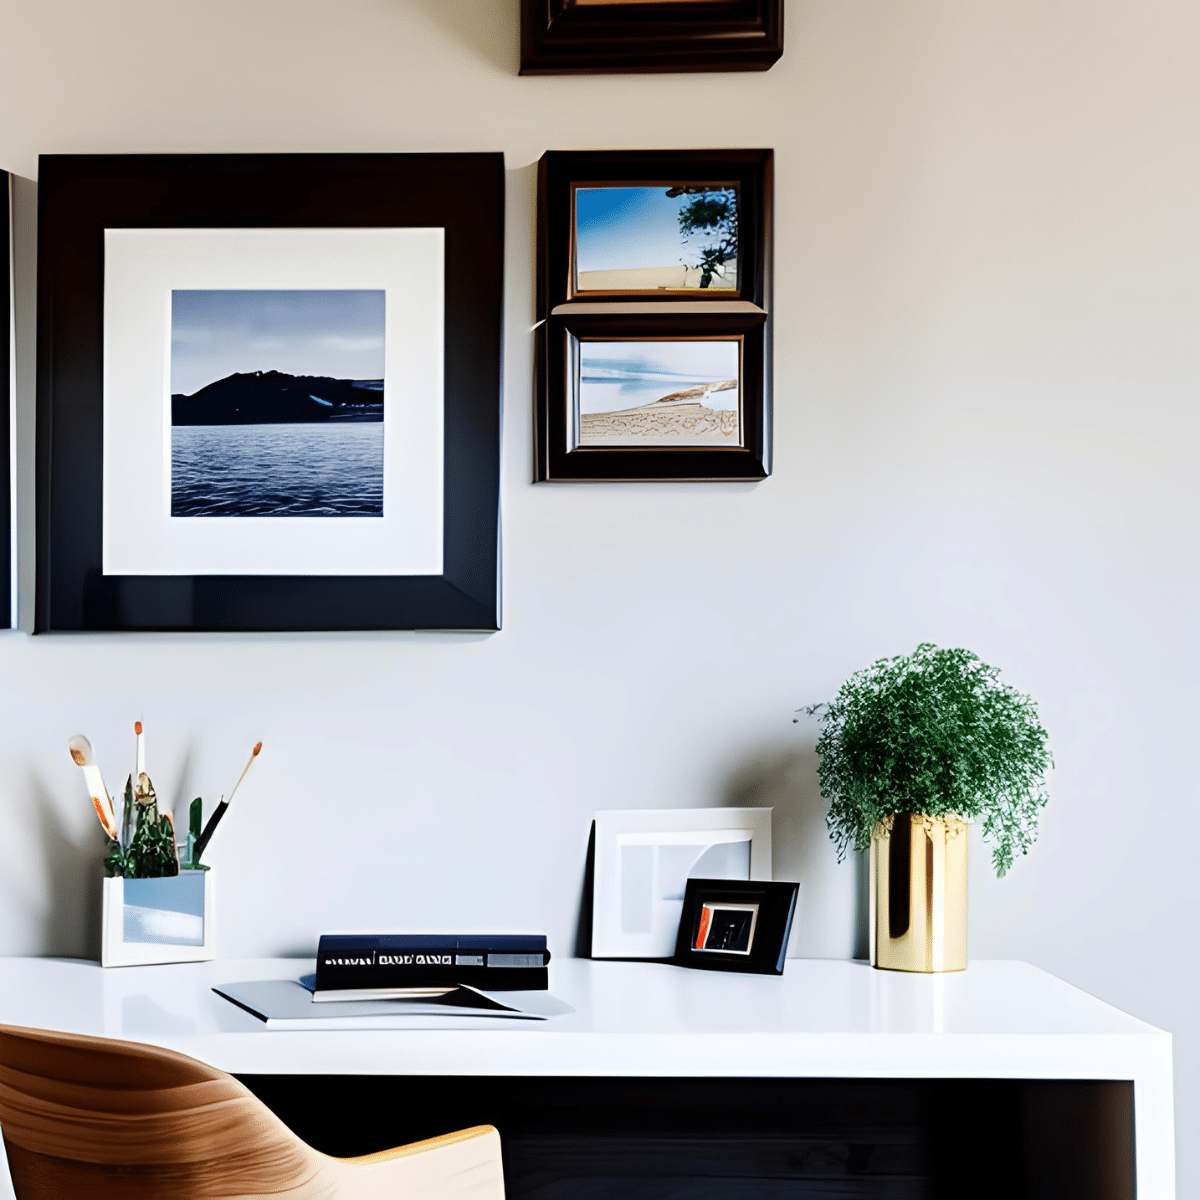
(80, 196)
(7, 349)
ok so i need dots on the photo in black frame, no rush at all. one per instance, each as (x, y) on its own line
(729, 925)
(7, 400)
(87, 201)
(586, 37)
(569, 457)
(646, 252)
(748, 172)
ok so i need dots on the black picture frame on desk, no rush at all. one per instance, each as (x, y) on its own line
(587, 37)
(89, 204)
(729, 925)
(7, 401)
(605, 219)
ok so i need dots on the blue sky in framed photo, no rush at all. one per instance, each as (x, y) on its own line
(683, 392)
(629, 237)
(334, 332)
(622, 375)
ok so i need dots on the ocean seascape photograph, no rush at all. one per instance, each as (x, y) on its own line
(277, 403)
(672, 393)
(663, 237)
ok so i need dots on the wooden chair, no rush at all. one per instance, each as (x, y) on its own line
(98, 1119)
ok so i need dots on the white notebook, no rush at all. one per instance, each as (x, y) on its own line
(287, 1004)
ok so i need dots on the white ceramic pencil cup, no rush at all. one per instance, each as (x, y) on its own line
(167, 920)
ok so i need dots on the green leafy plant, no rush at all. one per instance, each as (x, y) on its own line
(147, 847)
(711, 214)
(935, 733)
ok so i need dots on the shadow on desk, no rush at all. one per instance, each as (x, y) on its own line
(745, 1139)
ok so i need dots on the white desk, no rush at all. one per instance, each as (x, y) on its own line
(997, 1020)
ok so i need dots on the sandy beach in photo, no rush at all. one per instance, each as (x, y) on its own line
(649, 279)
(678, 418)
(677, 424)
(668, 393)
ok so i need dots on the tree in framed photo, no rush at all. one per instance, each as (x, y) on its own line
(711, 217)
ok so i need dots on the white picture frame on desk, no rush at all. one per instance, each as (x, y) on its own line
(644, 858)
(167, 920)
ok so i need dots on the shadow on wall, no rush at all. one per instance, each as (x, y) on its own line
(69, 924)
(488, 29)
(583, 934)
(831, 914)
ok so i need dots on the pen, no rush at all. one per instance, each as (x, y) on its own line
(213, 821)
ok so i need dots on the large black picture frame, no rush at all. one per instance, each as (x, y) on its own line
(589, 37)
(7, 399)
(567, 316)
(82, 195)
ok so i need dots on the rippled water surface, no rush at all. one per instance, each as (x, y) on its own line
(316, 470)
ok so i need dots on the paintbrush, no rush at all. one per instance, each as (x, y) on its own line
(213, 821)
(81, 752)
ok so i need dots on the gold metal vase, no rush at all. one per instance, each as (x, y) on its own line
(919, 894)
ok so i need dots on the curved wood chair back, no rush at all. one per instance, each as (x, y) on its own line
(96, 1118)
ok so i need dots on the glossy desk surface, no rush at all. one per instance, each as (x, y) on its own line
(823, 1018)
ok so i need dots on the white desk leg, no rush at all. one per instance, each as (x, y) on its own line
(1154, 1127)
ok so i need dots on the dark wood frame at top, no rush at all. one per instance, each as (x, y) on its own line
(590, 37)
(7, 350)
(82, 195)
(564, 315)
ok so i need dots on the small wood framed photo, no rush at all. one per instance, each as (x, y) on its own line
(654, 277)
(654, 225)
(662, 396)
(735, 926)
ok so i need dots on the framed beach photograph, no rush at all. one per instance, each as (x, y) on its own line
(657, 393)
(249, 417)
(654, 225)
(677, 239)
(585, 37)
(665, 396)
(653, 299)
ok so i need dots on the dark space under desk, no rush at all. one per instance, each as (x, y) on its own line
(761, 1139)
(834, 1081)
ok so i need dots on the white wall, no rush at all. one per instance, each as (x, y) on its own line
(987, 374)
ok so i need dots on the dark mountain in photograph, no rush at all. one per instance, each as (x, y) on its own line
(276, 398)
